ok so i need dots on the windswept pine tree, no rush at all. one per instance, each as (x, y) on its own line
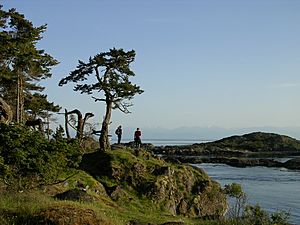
(22, 65)
(106, 74)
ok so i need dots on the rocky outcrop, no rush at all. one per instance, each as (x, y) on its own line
(185, 191)
(178, 189)
(292, 164)
(259, 142)
(254, 149)
(75, 195)
(248, 145)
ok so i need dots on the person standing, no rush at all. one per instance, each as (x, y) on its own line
(137, 138)
(118, 132)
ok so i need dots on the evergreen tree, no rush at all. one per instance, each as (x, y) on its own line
(106, 74)
(37, 105)
(22, 65)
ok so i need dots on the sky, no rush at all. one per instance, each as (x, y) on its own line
(209, 65)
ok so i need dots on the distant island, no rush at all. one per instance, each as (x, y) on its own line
(253, 149)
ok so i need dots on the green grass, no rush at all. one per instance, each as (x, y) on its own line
(29, 203)
(96, 167)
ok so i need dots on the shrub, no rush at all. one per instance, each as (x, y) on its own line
(236, 192)
(240, 213)
(28, 159)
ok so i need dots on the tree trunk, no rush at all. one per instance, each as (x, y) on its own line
(104, 140)
(20, 100)
(6, 114)
(79, 128)
(80, 122)
(66, 124)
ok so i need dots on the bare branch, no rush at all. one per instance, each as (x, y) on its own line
(98, 99)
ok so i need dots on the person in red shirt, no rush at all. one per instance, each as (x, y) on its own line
(137, 137)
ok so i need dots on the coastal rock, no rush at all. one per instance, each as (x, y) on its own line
(257, 144)
(75, 195)
(292, 164)
(179, 189)
(186, 191)
(254, 149)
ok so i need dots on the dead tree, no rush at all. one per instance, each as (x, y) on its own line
(80, 122)
(6, 114)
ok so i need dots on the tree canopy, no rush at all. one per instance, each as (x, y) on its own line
(107, 75)
(22, 65)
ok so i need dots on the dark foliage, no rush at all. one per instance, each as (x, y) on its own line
(28, 159)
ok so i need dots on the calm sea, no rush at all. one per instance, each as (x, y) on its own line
(272, 188)
(164, 142)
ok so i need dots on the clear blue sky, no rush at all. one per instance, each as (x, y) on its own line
(226, 63)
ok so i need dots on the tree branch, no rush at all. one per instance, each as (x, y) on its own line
(98, 99)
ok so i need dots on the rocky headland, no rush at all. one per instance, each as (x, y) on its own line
(254, 149)
(123, 186)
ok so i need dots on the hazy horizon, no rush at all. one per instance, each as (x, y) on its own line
(203, 133)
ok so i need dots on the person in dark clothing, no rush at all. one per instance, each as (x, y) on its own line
(137, 138)
(119, 133)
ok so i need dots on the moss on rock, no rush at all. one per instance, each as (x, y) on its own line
(178, 189)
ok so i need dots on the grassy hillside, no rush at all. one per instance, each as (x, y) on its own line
(52, 182)
(117, 187)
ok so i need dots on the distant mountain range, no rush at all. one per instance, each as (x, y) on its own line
(207, 133)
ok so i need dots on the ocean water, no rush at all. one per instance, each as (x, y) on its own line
(164, 142)
(273, 189)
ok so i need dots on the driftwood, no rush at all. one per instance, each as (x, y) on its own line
(6, 114)
(80, 122)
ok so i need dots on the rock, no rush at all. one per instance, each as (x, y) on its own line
(292, 164)
(182, 208)
(118, 194)
(69, 215)
(75, 195)
(172, 187)
(163, 170)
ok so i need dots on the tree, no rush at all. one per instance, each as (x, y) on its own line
(5, 112)
(22, 65)
(235, 191)
(107, 74)
(81, 121)
(37, 106)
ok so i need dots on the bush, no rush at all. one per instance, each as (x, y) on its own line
(236, 192)
(240, 213)
(28, 159)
